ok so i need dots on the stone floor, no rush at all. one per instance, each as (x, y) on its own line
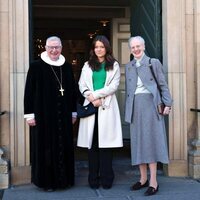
(171, 188)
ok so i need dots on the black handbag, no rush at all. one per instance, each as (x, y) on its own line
(85, 111)
(161, 106)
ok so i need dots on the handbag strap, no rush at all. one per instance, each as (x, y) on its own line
(151, 68)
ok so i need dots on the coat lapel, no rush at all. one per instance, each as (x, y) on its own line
(110, 75)
(142, 70)
(145, 74)
(131, 72)
(89, 81)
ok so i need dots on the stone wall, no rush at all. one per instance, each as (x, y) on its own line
(181, 47)
(4, 174)
(194, 151)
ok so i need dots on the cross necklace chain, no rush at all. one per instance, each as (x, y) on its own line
(59, 81)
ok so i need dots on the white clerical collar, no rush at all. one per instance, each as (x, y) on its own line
(46, 59)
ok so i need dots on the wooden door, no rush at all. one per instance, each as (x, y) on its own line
(120, 36)
(146, 21)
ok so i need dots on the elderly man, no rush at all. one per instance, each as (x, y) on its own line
(50, 106)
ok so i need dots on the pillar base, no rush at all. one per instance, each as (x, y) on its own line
(21, 175)
(194, 160)
(4, 175)
(176, 168)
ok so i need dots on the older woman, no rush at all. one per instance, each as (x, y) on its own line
(102, 131)
(147, 128)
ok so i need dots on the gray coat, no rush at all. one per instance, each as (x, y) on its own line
(146, 76)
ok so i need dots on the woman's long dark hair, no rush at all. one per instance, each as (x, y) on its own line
(109, 59)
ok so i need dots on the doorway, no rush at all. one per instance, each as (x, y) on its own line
(77, 23)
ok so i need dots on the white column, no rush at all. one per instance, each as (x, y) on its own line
(194, 154)
(4, 74)
(4, 94)
(174, 59)
(19, 62)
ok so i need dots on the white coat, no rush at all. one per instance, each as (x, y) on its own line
(109, 122)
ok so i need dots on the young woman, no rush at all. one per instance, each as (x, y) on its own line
(102, 131)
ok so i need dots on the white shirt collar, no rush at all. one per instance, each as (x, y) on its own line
(46, 59)
(138, 60)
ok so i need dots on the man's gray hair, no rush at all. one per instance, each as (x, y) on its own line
(136, 38)
(54, 38)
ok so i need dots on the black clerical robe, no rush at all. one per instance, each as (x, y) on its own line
(52, 149)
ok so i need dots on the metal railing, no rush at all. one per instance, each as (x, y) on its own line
(194, 109)
(2, 113)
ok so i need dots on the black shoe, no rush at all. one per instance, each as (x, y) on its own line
(49, 190)
(151, 191)
(94, 186)
(94, 182)
(106, 187)
(138, 185)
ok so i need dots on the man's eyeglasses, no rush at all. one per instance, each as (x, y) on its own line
(54, 47)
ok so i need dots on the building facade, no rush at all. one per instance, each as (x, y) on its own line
(181, 57)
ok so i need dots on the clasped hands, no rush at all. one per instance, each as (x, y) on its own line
(95, 102)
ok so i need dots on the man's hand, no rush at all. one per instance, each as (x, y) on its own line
(31, 122)
(74, 120)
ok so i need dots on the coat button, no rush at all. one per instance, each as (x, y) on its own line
(103, 108)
